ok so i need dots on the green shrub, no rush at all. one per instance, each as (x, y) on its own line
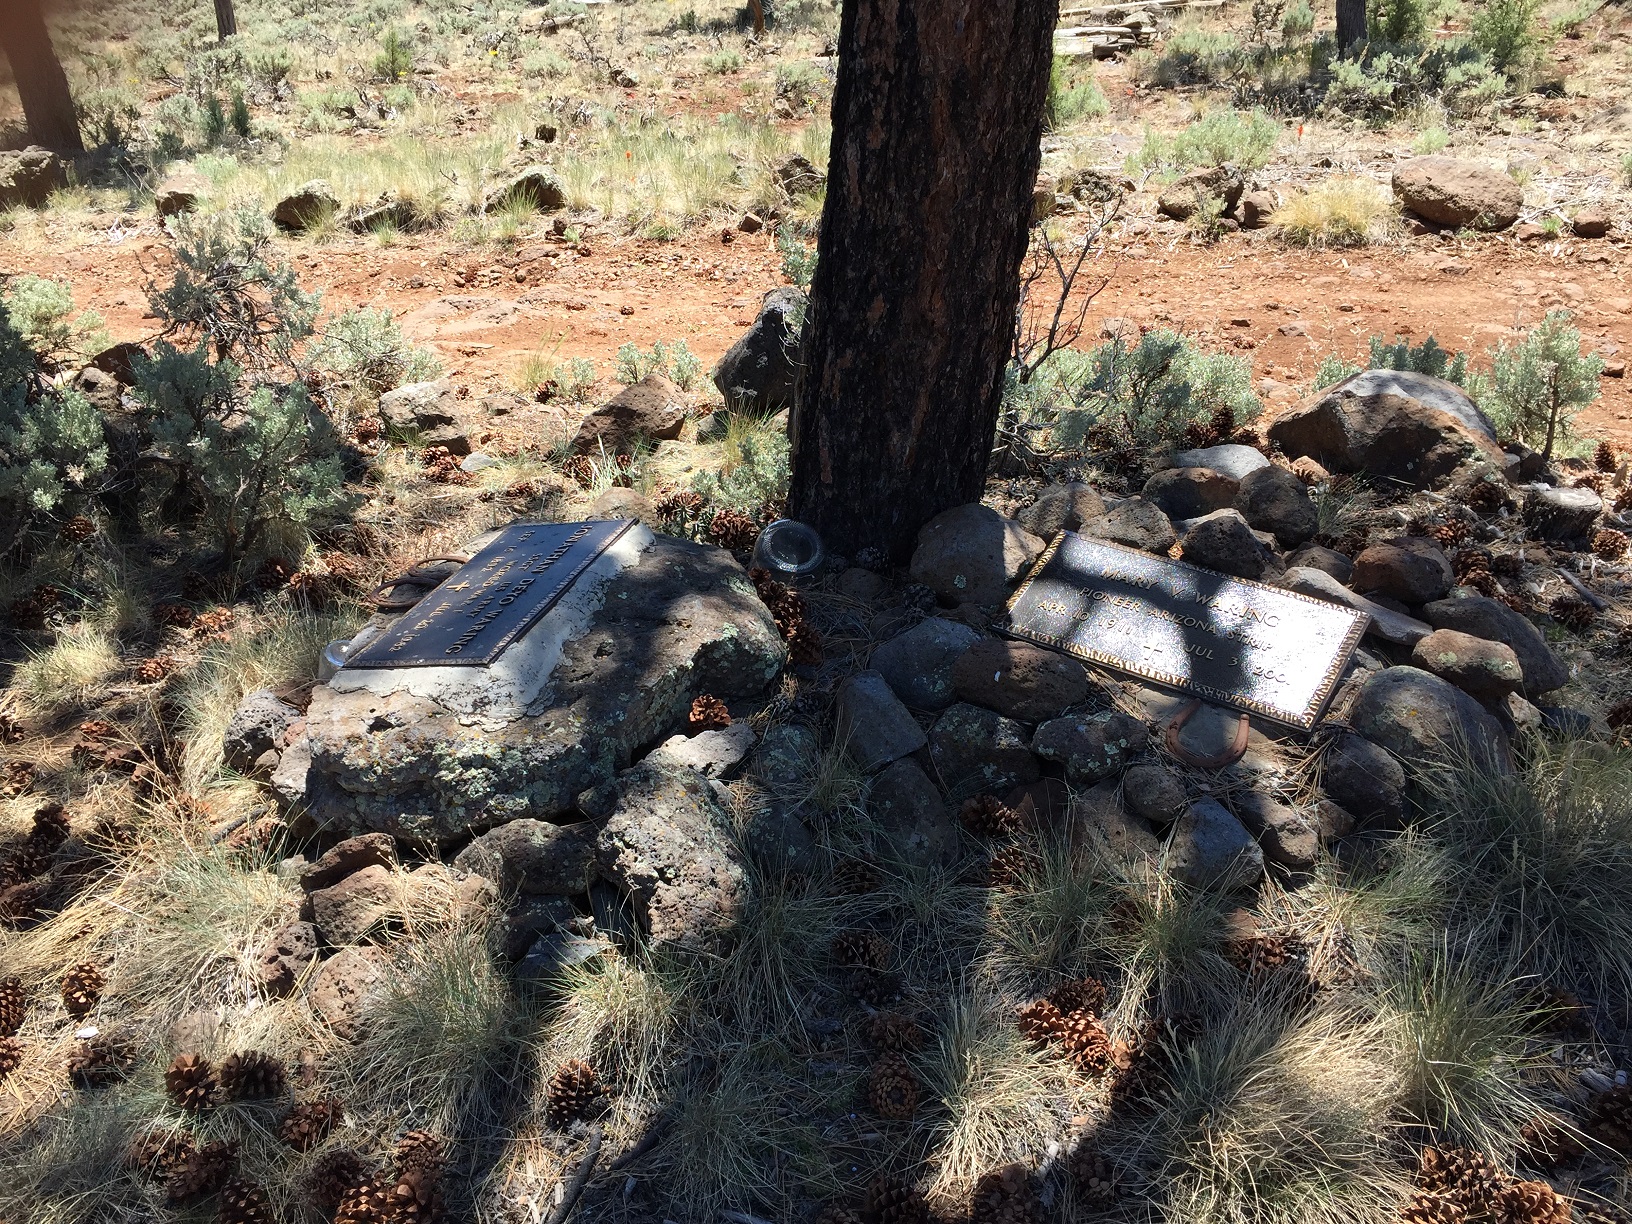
(1333, 370)
(1506, 31)
(1139, 394)
(1073, 94)
(1197, 56)
(1392, 79)
(52, 453)
(674, 361)
(239, 118)
(758, 478)
(1299, 22)
(366, 349)
(40, 311)
(798, 258)
(1399, 21)
(1430, 140)
(800, 82)
(212, 123)
(722, 61)
(1217, 137)
(396, 57)
(1537, 386)
(1425, 358)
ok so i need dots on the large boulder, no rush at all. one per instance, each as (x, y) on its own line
(1272, 499)
(760, 372)
(1181, 198)
(1483, 669)
(978, 751)
(28, 176)
(1231, 458)
(309, 204)
(1393, 423)
(534, 858)
(1134, 523)
(612, 669)
(917, 664)
(1464, 194)
(651, 410)
(1411, 569)
(872, 724)
(972, 554)
(668, 845)
(1421, 718)
(1061, 507)
(536, 186)
(1190, 492)
(180, 193)
(1019, 680)
(1496, 622)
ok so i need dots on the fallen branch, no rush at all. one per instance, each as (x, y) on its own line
(580, 1176)
(1581, 589)
(648, 1141)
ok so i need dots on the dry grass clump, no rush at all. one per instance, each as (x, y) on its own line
(1338, 212)
(70, 672)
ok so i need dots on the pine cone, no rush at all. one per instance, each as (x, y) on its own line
(892, 1202)
(17, 778)
(1010, 866)
(24, 903)
(874, 987)
(415, 1198)
(190, 1082)
(894, 1031)
(11, 730)
(1609, 1118)
(334, 1173)
(28, 861)
(679, 506)
(853, 877)
(708, 714)
(367, 430)
(1083, 994)
(251, 1076)
(13, 1006)
(369, 1203)
(579, 469)
(82, 988)
(155, 669)
(989, 816)
(100, 1061)
(217, 621)
(178, 615)
(1450, 534)
(1620, 714)
(1604, 457)
(1486, 496)
(306, 1126)
(11, 1055)
(1598, 1213)
(1530, 1202)
(1004, 1196)
(1572, 613)
(804, 644)
(421, 1150)
(159, 1153)
(243, 1202)
(572, 1092)
(1042, 1022)
(1223, 422)
(1468, 1178)
(1507, 565)
(733, 529)
(1261, 952)
(1610, 544)
(1470, 561)
(1085, 1042)
(203, 1172)
(78, 529)
(865, 948)
(1092, 1175)
(892, 1088)
(51, 826)
(1432, 1207)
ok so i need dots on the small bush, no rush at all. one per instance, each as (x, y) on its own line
(1425, 358)
(1073, 94)
(396, 58)
(1507, 31)
(1338, 212)
(722, 61)
(801, 83)
(674, 361)
(1537, 386)
(40, 311)
(1392, 79)
(239, 117)
(758, 479)
(1299, 22)
(1197, 56)
(1398, 21)
(1217, 137)
(1430, 140)
(798, 258)
(212, 123)
(366, 349)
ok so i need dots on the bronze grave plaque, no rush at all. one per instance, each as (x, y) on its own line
(1226, 640)
(492, 599)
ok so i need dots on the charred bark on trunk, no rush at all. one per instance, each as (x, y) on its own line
(226, 21)
(937, 122)
(1351, 23)
(42, 86)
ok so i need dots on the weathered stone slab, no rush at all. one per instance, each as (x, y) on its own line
(612, 668)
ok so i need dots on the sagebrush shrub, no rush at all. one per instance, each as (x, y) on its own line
(675, 361)
(1538, 385)
(41, 312)
(366, 349)
(1507, 31)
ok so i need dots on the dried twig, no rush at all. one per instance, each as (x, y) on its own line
(580, 1176)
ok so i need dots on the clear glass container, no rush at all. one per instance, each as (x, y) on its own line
(334, 658)
(788, 549)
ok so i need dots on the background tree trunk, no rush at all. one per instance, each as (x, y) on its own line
(226, 21)
(1351, 23)
(42, 86)
(937, 120)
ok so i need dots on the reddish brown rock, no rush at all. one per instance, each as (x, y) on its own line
(1019, 680)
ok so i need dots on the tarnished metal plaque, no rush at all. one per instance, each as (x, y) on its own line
(1226, 640)
(493, 598)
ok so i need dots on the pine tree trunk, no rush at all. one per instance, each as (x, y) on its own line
(42, 86)
(226, 21)
(937, 120)
(1351, 23)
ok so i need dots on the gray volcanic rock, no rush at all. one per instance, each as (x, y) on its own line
(1272, 499)
(1411, 569)
(979, 751)
(534, 857)
(1090, 748)
(682, 622)
(1061, 507)
(872, 724)
(1487, 618)
(1562, 514)
(1190, 492)
(1230, 458)
(1366, 780)
(918, 664)
(1019, 680)
(1134, 523)
(760, 372)
(972, 554)
(1421, 718)
(1210, 848)
(1483, 669)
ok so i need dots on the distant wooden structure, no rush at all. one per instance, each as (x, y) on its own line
(1103, 30)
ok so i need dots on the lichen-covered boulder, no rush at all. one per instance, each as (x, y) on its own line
(681, 622)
